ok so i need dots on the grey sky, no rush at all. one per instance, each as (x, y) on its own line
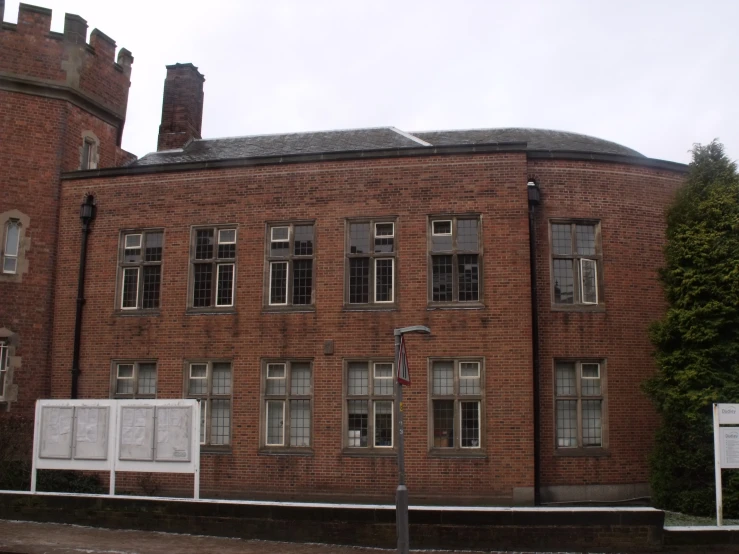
(653, 75)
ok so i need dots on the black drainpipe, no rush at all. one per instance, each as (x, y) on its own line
(534, 199)
(87, 214)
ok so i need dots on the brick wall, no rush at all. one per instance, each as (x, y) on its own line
(630, 204)
(411, 189)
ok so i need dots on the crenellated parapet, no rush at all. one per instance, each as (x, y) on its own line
(37, 60)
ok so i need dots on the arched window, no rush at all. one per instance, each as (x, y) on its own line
(11, 246)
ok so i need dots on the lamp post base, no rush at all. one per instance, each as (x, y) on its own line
(401, 518)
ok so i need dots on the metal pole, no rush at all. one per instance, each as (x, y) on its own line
(401, 494)
(87, 214)
(717, 467)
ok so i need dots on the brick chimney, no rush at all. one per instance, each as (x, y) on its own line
(182, 107)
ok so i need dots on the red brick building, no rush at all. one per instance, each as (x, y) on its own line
(265, 275)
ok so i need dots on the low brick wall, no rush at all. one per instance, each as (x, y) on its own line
(633, 529)
(703, 538)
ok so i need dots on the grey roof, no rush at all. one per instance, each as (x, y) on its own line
(536, 139)
(382, 138)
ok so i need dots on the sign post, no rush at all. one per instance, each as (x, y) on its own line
(725, 448)
(403, 377)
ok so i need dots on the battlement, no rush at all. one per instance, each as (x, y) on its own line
(35, 55)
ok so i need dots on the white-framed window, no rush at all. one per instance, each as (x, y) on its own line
(4, 366)
(370, 269)
(89, 154)
(213, 267)
(455, 259)
(210, 383)
(580, 404)
(287, 398)
(290, 254)
(576, 260)
(11, 246)
(140, 269)
(456, 404)
(134, 379)
(370, 394)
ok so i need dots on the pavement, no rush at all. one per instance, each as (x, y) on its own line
(24, 537)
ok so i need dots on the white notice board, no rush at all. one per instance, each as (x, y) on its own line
(118, 435)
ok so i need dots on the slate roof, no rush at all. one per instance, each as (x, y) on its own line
(381, 138)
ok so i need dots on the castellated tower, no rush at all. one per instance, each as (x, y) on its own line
(62, 108)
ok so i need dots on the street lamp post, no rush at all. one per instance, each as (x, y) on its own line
(401, 493)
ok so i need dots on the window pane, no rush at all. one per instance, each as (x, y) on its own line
(357, 423)
(204, 244)
(303, 240)
(124, 380)
(384, 241)
(202, 285)
(564, 282)
(276, 371)
(585, 239)
(11, 239)
(566, 423)
(384, 280)
(590, 383)
(383, 423)
(153, 251)
(227, 251)
(470, 414)
(302, 282)
(275, 420)
(130, 287)
(279, 249)
(441, 286)
(444, 423)
(359, 235)
(132, 248)
(561, 239)
(300, 423)
(276, 381)
(278, 283)
(589, 281)
(203, 404)
(383, 383)
(591, 423)
(468, 278)
(147, 379)
(220, 422)
(222, 378)
(359, 280)
(227, 236)
(198, 379)
(10, 265)
(358, 379)
(469, 378)
(224, 293)
(467, 235)
(566, 379)
(151, 285)
(300, 379)
(443, 377)
(441, 236)
(280, 234)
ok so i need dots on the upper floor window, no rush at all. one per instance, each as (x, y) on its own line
(290, 252)
(135, 380)
(89, 154)
(580, 398)
(371, 262)
(11, 246)
(456, 258)
(213, 255)
(140, 269)
(576, 262)
(4, 354)
(288, 393)
(370, 394)
(210, 384)
(456, 404)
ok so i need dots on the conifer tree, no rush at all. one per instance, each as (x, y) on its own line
(697, 341)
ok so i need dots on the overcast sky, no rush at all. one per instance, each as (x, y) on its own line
(654, 75)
